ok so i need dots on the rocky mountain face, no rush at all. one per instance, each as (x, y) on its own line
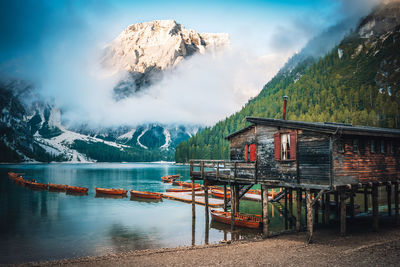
(145, 50)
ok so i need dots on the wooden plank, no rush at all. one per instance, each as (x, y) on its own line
(265, 208)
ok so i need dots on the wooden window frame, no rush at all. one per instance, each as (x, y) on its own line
(293, 153)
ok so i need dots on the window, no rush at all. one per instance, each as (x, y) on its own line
(383, 146)
(340, 146)
(391, 147)
(250, 152)
(285, 145)
(372, 146)
(355, 145)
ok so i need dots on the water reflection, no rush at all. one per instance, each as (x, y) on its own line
(145, 200)
(99, 195)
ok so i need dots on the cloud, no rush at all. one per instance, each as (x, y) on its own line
(57, 45)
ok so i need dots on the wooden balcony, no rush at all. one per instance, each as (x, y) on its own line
(225, 171)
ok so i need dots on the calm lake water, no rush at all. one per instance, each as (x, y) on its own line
(43, 225)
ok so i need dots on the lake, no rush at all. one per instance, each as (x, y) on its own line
(42, 225)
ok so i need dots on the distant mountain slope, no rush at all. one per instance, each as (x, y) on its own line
(34, 132)
(356, 82)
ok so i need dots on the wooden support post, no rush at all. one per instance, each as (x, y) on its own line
(206, 200)
(366, 198)
(237, 200)
(193, 231)
(389, 198)
(337, 205)
(225, 199)
(298, 209)
(375, 208)
(352, 204)
(396, 203)
(232, 210)
(343, 212)
(193, 200)
(327, 207)
(310, 222)
(291, 208)
(316, 209)
(285, 212)
(305, 209)
(265, 208)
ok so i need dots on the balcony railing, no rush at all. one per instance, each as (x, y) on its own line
(224, 170)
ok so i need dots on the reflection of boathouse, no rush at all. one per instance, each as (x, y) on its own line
(315, 160)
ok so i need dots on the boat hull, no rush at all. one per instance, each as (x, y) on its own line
(111, 191)
(77, 189)
(248, 221)
(142, 194)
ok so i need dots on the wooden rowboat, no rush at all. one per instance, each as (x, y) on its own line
(143, 194)
(182, 189)
(60, 187)
(111, 191)
(174, 176)
(177, 183)
(243, 220)
(36, 185)
(220, 193)
(165, 179)
(77, 189)
(190, 185)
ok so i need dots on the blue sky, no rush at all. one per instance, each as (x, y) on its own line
(52, 44)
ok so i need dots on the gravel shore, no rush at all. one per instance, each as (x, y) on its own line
(362, 248)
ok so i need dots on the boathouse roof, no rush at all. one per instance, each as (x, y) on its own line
(322, 127)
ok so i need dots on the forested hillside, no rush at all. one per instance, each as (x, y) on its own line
(357, 83)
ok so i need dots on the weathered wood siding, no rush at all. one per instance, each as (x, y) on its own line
(238, 142)
(268, 167)
(313, 157)
(364, 166)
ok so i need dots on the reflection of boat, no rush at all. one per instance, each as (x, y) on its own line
(57, 187)
(183, 189)
(243, 220)
(111, 191)
(76, 189)
(220, 193)
(146, 200)
(143, 194)
(36, 185)
(100, 195)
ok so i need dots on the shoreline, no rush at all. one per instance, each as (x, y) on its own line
(358, 249)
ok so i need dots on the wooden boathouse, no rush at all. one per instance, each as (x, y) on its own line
(317, 161)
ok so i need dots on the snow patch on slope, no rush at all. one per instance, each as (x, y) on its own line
(167, 135)
(138, 139)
